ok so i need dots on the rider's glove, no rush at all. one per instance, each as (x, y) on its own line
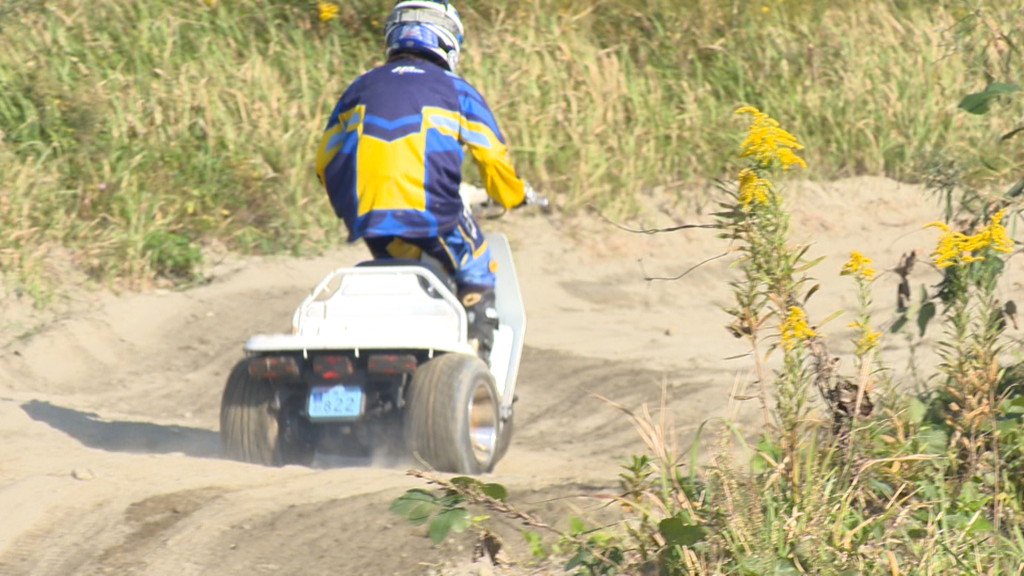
(530, 197)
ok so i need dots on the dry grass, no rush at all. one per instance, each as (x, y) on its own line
(199, 119)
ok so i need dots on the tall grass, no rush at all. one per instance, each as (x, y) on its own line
(135, 132)
(132, 128)
(632, 97)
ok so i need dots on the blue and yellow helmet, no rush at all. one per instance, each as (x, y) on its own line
(429, 27)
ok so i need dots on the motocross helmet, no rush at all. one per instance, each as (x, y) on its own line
(428, 27)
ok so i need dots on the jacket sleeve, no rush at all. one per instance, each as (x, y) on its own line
(345, 118)
(479, 131)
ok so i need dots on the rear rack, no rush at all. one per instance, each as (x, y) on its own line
(374, 307)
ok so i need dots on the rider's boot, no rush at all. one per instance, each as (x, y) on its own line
(483, 320)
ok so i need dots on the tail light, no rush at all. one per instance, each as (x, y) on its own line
(332, 367)
(273, 367)
(391, 364)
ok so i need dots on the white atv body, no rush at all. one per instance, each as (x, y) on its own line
(378, 359)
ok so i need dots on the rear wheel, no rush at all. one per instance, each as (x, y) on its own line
(259, 425)
(504, 437)
(452, 419)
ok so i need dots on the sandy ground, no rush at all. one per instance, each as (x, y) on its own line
(111, 464)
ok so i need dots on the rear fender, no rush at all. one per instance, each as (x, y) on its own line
(509, 338)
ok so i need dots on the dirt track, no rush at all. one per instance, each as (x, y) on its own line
(108, 414)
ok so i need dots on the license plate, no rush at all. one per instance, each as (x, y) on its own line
(338, 401)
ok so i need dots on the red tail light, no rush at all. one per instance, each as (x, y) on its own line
(273, 367)
(391, 364)
(331, 367)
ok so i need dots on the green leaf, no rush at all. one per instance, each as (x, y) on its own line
(810, 292)
(1007, 427)
(765, 457)
(978, 102)
(992, 266)
(535, 543)
(679, 533)
(916, 411)
(465, 482)
(1018, 188)
(456, 519)
(1007, 136)
(881, 487)
(808, 265)
(578, 559)
(979, 524)
(933, 441)
(416, 505)
(494, 490)
(917, 533)
(785, 567)
(898, 324)
(1014, 405)
(924, 316)
(576, 526)
(830, 317)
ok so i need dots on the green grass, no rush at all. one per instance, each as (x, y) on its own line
(196, 121)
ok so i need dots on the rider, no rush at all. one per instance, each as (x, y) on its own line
(391, 157)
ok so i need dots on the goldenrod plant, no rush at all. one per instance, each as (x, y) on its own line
(772, 287)
(972, 400)
(866, 339)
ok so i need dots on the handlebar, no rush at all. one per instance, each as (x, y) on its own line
(474, 196)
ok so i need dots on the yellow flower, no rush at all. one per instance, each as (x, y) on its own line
(767, 143)
(795, 329)
(858, 265)
(959, 248)
(326, 10)
(868, 338)
(995, 234)
(947, 249)
(753, 188)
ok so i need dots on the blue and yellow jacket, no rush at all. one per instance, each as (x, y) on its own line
(391, 155)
